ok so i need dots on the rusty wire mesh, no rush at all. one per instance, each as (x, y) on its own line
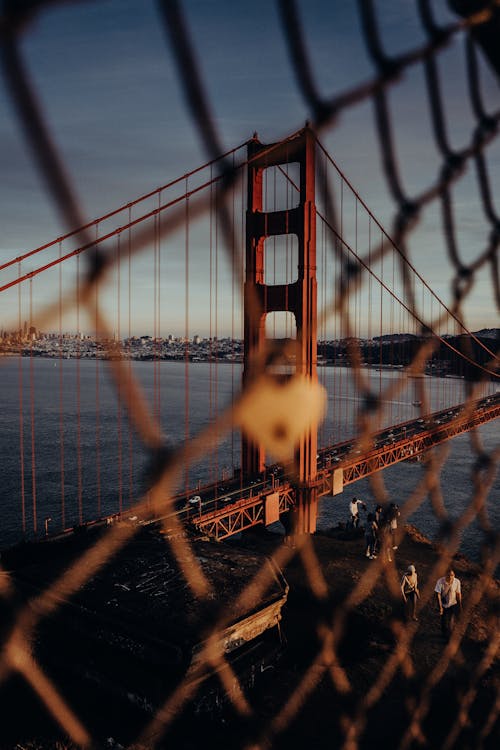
(478, 25)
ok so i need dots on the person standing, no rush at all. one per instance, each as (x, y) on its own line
(371, 531)
(409, 589)
(449, 597)
(354, 506)
(385, 533)
(378, 521)
(392, 516)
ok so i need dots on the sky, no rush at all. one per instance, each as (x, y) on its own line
(108, 85)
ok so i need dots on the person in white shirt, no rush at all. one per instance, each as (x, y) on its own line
(354, 506)
(449, 597)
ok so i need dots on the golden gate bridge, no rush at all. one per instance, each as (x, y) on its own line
(269, 243)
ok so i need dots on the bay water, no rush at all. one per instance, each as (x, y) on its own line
(70, 453)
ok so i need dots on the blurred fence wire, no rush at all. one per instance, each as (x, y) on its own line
(477, 28)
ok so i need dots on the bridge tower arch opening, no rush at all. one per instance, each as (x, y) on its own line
(298, 297)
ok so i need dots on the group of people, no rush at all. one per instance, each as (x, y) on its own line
(448, 592)
(381, 534)
(380, 528)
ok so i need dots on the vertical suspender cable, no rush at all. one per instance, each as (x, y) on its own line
(341, 405)
(155, 321)
(321, 306)
(129, 360)
(416, 389)
(349, 386)
(356, 301)
(160, 353)
(78, 396)
(404, 348)
(325, 301)
(369, 319)
(155, 317)
(117, 343)
(449, 383)
(334, 240)
(242, 280)
(21, 405)
(61, 400)
(97, 394)
(32, 401)
(211, 309)
(233, 332)
(394, 406)
(335, 404)
(273, 201)
(404, 328)
(412, 390)
(216, 392)
(381, 358)
(446, 383)
(186, 331)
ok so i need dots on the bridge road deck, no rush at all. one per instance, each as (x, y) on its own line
(339, 466)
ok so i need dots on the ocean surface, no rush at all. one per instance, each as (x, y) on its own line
(70, 453)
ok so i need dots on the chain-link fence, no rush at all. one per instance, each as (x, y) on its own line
(353, 671)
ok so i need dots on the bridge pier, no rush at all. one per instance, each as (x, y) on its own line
(306, 510)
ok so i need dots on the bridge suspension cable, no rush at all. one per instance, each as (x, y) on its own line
(367, 263)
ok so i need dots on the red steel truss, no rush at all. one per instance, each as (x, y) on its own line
(268, 506)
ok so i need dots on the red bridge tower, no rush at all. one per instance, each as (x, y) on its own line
(298, 297)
